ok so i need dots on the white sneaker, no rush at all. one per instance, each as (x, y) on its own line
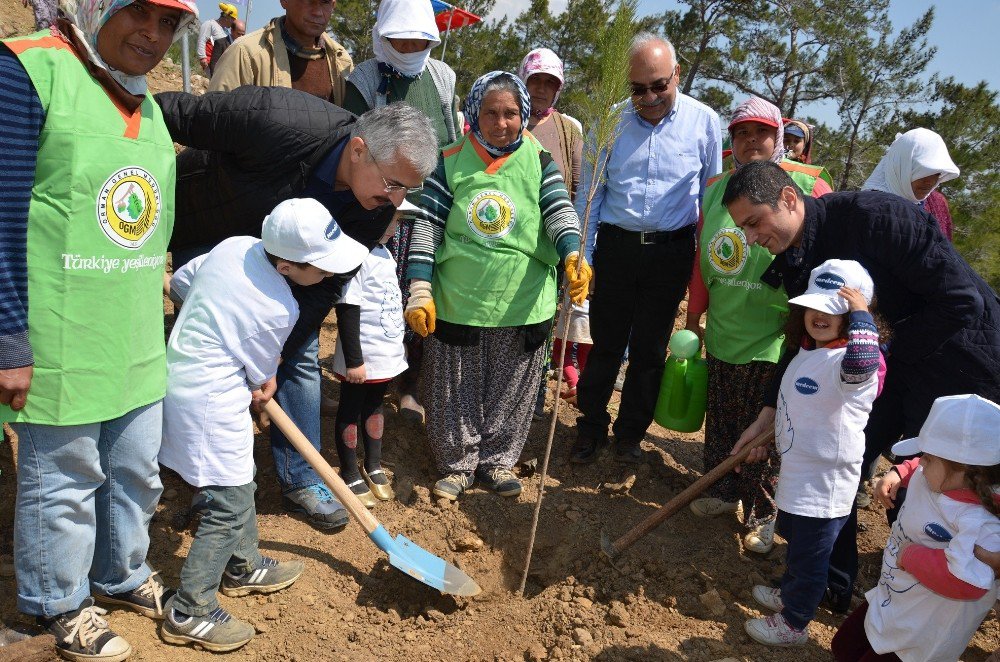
(767, 596)
(775, 631)
(761, 539)
(709, 507)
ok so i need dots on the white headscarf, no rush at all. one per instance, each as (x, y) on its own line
(913, 155)
(404, 19)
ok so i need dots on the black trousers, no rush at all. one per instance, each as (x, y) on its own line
(636, 293)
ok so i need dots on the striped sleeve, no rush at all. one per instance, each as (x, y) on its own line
(861, 360)
(428, 224)
(562, 225)
(21, 119)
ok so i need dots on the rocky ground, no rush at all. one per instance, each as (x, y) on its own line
(681, 593)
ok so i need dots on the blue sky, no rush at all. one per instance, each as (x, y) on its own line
(963, 32)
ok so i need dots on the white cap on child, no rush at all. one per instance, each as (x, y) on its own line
(302, 230)
(960, 428)
(825, 282)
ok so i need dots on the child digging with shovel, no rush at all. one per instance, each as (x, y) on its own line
(223, 355)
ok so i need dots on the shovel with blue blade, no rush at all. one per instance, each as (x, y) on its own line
(404, 554)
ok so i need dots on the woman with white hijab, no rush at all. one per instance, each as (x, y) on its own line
(915, 164)
(402, 70)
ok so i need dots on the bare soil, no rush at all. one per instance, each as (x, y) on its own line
(681, 593)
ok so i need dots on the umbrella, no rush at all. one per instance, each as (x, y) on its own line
(449, 17)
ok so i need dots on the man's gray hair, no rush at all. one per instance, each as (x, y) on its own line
(399, 131)
(645, 38)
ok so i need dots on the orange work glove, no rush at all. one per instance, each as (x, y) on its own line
(420, 312)
(578, 284)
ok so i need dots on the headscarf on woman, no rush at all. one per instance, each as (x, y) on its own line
(89, 16)
(913, 155)
(807, 138)
(542, 61)
(474, 102)
(756, 109)
(403, 19)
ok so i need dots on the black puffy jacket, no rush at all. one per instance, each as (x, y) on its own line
(944, 318)
(250, 149)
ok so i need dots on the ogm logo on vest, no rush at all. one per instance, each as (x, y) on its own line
(491, 214)
(128, 207)
(727, 251)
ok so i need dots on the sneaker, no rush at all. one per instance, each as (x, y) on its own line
(83, 635)
(587, 450)
(319, 505)
(629, 453)
(620, 381)
(501, 481)
(148, 599)
(451, 486)
(216, 631)
(269, 576)
(767, 596)
(709, 507)
(761, 539)
(775, 631)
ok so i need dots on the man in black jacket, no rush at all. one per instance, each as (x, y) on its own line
(256, 146)
(944, 319)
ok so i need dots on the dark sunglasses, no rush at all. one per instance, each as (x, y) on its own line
(656, 88)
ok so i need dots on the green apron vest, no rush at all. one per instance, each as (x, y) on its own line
(100, 217)
(746, 318)
(496, 266)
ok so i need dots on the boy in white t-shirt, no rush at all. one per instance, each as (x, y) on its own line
(826, 395)
(222, 355)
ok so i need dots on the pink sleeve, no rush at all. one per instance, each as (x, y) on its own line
(930, 567)
(697, 292)
(906, 469)
(820, 188)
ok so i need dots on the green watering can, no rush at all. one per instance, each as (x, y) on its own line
(684, 387)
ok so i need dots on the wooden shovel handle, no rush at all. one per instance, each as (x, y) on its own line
(689, 494)
(322, 467)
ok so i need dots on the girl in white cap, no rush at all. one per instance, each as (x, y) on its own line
(823, 405)
(934, 589)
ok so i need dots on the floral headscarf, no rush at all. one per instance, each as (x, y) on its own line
(89, 16)
(542, 61)
(756, 109)
(474, 102)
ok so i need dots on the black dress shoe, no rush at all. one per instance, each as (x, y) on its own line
(586, 450)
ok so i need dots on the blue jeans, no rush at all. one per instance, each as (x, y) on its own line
(807, 563)
(299, 395)
(226, 539)
(85, 496)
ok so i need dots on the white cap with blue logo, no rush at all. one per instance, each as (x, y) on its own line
(960, 428)
(302, 230)
(825, 282)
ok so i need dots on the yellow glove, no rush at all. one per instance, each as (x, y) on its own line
(420, 312)
(578, 284)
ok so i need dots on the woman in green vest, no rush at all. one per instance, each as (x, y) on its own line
(82, 376)
(494, 223)
(744, 327)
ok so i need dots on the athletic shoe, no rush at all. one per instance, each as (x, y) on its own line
(148, 599)
(82, 635)
(216, 631)
(767, 596)
(501, 481)
(761, 539)
(451, 486)
(709, 507)
(269, 576)
(586, 450)
(775, 631)
(319, 505)
(629, 453)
